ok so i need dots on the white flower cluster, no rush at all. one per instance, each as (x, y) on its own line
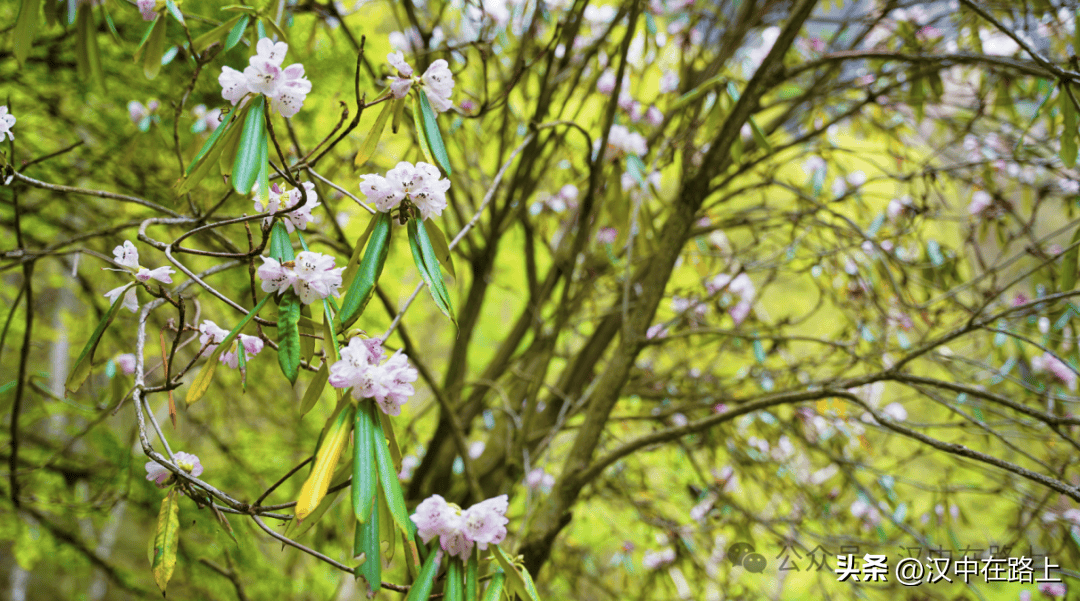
(421, 184)
(437, 81)
(311, 275)
(282, 199)
(286, 88)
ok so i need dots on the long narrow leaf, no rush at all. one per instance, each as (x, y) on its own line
(81, 371)
(155, 48)
(207, 39)
(165, 540)
(368, 272)
(218, 134)
(237, 32)
(513, 577)
(454, 591)
(442, 249)
(472, 577)
(1069, 130)
(315, 389)
(25, 29)
(388, 478)
(366, 541)
(364, 482)
(495, 587)
(421, 588)
(280, 243)
(428, 265)
(432, 134)
(288, 335)
(206, 374)
(358, 252)
(326, 460)
(372, 141)
(248, 156)
(421, 137)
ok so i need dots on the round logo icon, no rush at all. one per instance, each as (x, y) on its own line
(754, 562)
(738, 551)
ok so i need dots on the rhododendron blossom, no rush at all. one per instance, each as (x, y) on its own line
(482, 524)
(6, 122)
(422, 185)
(160, 475)
(311, 275)
(437, 81)
(148, 8)
(286, 88)
(127, 256)
(293, 220)
(361, 368)
(212, 335)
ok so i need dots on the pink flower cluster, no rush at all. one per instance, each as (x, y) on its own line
(295, 220)
(311, 275)
(624, 142)
(148, 8)
(362, 369)
(126, 255)
(286, 88)
(212, 336)
(7, 120)
(1057, 368)
(482, 524)
(437, 81)
(159, 474)
(421, 184)
(740, 286)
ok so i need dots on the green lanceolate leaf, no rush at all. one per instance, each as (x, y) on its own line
(25, 29)
(365, 470)
(263, 177)
(249, 155)
(81, 371)
(174, 11)
(421, 587)
(307, 334)
(230, 143)
(365, 476)
(209, 154)
(372, 141)
(366, 542)
(513, 577)
(428, 264)
(280, 244)
(206, 374)
(165, 540)
(237, 33)
(315, 389)
(368, 272)
(1069, 264)
(201, 43)
(495, 587)
(442, 249)
(421, 136)
(432, 134)
(288, 332)
(472, 577)
(454, 589)
(759, 136)
(1069, 131)
(155, 48)
(357, 253)
(388, 478)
